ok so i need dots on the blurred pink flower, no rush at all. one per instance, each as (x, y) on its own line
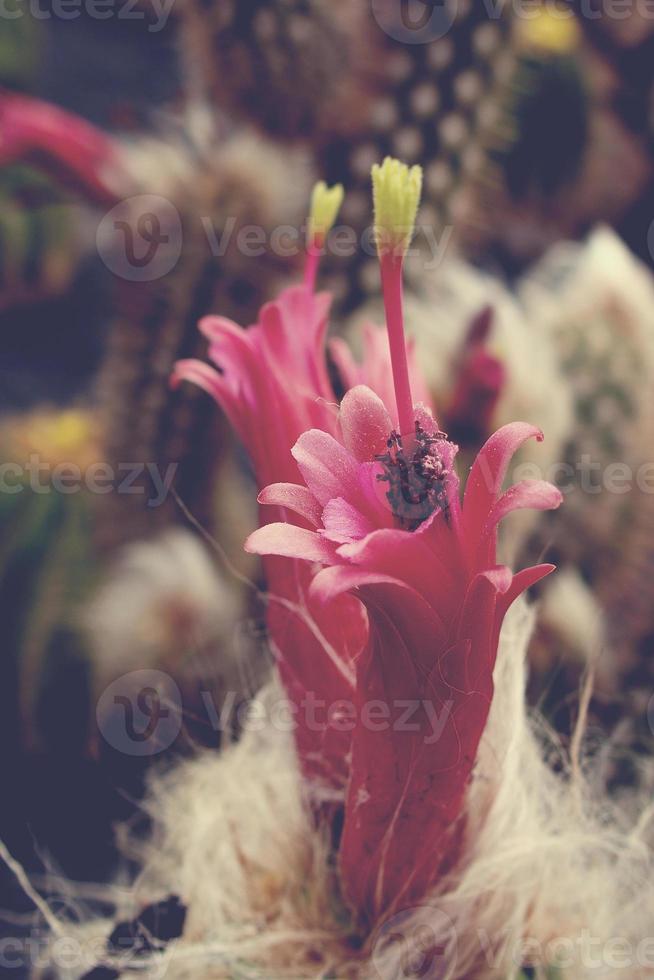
(58, 139)
(480, 380)
(373, 370)
(271, 379)
(272, 383)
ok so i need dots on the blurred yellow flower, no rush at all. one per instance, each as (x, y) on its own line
(68, 436)
(550, 29)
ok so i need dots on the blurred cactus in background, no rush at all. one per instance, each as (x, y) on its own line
(289, 67)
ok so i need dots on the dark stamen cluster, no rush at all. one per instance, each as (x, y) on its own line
(416, 486)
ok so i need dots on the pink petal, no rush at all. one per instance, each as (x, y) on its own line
(303, 310)
(391, 599)
(348, 370)
(370, 498)
(528, 494)
(292, 497)
(376, 368)
(406, 556)
(265, 435)
(478, 624)
(327, 467)
(389, 547)
(343, 523)
(216, 385)
(199, 373)
(365, 423)
(536, 494)
(297, 312)
(234, 351)
(334, 581)
(521, 582)
(487, 476)
(216, 328)
(290, 541)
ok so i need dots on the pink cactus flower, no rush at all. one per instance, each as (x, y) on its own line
(385, 585)
(380, 512)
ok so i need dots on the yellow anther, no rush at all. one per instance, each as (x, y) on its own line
(325, 205)
(396, 193)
